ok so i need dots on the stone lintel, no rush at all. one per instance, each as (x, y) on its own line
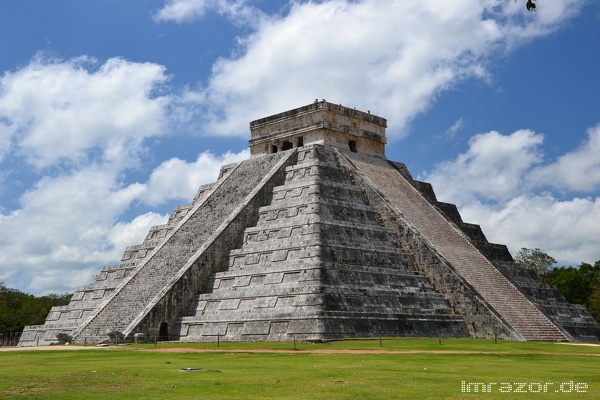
(321, 122)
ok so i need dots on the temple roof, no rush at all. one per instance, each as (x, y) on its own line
(321, 122)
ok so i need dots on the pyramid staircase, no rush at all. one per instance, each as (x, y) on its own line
(318, 264)
(527, 321)
(87, 299)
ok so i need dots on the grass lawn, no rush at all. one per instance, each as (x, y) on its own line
(351, 369)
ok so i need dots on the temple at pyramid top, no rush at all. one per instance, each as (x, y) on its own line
(319, 123)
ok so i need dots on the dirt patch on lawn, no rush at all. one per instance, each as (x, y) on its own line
(351, 352)
(290, 351)
(581, 344)
(322, 351)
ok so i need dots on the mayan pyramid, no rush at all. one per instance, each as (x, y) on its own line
(316, 237)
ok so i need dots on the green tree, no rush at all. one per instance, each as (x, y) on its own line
(575, 283)
(18, 309)
(536, 259)
(594, 304)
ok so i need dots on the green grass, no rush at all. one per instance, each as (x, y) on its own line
(412, 369)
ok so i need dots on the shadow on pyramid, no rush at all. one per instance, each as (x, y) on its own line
(316, 237)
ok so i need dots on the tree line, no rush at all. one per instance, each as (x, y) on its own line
(18, 309)
(579, 285)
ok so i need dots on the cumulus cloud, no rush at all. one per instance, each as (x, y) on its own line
(54, 111)
(181, 11)
(73, 222)
(123, 234)
(64, 221)
(394, 58)
(566, 229)
(492, 169)
(578, 170)
(176, 178)
(499, 183)
(59, 280)
(77, 129)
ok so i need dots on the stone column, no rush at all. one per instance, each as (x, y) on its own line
(277, 144)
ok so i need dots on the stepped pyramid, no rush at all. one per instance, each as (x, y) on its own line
(316, 237)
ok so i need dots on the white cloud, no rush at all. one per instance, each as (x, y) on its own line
(63, 222)
(53, 111)
(496, 183)
(72, 224)
(393, 58)
(60, 281)
(493, 168)
(178, 179)
(184, 10)
(77, 132)
(565, 229)
(181, 11)
(72, 209)
(451, 132)
(124, 234)
(5, 141)
(578, 170)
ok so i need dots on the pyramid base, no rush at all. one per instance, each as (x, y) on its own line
(321, 329)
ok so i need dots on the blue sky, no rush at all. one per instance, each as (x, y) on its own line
(112, 113)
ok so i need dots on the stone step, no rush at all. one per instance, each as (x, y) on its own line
(287, 228)
(298, 286)
(328, 172)
(321, 209)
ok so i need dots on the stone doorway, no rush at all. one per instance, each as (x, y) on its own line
(163, 332)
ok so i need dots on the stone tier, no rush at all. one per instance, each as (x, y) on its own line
(318, 256)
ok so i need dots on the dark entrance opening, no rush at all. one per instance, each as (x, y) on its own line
(163, 332)
(300, 141)
(287, 146)
(273, 149)
(352, 144)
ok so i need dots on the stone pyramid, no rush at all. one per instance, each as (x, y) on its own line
(316, 237)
